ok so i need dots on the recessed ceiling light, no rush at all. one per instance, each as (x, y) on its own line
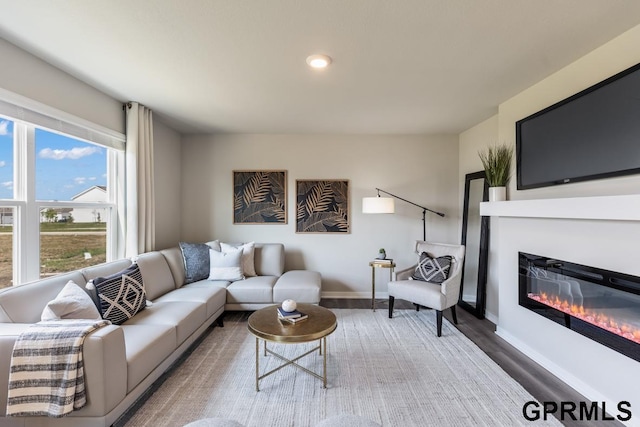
(318, 61)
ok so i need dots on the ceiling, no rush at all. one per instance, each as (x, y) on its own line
(238, 66)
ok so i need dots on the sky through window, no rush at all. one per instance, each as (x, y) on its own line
(65, 167)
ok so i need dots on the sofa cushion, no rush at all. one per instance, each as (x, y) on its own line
(156, 274)
(173, 256)
(146, 347)
(105, 269)
(269, 259)
(209, 283)
(185, 316)
(257, 289)
(248, 256)
(225, 265)
(213, 296)
(298, 285)
(431, 269)
(196, 261)
(72, 302)
(121, 295)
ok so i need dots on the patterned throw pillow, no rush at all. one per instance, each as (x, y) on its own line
(196, 261)
(432, 270)
(121, 295)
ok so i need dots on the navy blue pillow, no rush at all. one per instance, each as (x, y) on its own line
(196, 261)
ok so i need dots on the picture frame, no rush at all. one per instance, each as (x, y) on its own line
(259, 196)
(322, 206)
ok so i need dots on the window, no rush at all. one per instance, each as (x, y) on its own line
(7, 210)
(59, 196)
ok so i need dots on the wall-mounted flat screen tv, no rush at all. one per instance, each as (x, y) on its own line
(593, 134)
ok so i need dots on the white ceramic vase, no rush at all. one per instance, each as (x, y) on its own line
(497, 194)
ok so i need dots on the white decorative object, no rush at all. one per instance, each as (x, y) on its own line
(289, 305)
(497, 194)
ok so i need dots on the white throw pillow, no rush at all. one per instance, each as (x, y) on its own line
(225, 265)
(71, 303)
(248, 257)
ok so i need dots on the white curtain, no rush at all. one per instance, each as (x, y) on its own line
(140, 196)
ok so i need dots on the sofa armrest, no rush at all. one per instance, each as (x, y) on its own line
(404, 274)
(9, 333)
(105, 367)
(105, 370)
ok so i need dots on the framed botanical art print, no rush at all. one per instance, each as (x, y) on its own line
(260, 197)
(322, 206)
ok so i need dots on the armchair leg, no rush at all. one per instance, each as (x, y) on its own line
(391, 300)
(453, 314)
(439, 322)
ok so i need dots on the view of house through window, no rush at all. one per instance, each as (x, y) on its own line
(72, 235)
(63, 193)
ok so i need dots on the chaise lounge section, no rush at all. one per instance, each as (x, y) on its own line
(123, 361)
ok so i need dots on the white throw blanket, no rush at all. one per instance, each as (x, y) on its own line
(47, 371)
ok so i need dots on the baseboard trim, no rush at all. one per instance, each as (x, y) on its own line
(565, 376)
(491, 317)
(354, 295)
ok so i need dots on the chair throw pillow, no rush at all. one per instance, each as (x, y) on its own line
(432, 270)
(226, 265)
(196, 261)
(121, 295)
(247, 260)
(72, 302)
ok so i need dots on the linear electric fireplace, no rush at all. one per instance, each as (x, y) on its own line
(599, 304)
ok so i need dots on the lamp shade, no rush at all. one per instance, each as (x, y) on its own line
(377, 205)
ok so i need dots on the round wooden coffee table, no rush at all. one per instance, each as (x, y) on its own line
(265, 325)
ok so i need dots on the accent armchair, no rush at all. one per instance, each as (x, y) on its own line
(438, 296)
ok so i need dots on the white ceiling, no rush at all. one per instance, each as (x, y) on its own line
(399, 66)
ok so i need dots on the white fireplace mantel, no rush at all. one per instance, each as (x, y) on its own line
(600, 231)
(612, 208)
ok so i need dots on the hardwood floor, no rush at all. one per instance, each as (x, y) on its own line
(543, 386)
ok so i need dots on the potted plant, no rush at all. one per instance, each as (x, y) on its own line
(382, 254)
(496, 161)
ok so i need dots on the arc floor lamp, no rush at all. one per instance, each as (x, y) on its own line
(379, 205)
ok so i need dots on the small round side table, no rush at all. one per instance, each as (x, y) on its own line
(379, 264)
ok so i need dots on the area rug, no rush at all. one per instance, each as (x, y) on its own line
(395, 372)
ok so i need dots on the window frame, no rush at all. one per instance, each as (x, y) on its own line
(26, 220)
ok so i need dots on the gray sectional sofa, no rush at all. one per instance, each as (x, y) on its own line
(121, 362)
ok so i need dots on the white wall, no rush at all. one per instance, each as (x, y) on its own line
(26, 75)
(599, 373)
(419, 168)
(167, 167)
(470, 142)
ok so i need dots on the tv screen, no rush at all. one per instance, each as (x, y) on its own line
(591, 135)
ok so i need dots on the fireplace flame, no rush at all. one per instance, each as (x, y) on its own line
(593, 317)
